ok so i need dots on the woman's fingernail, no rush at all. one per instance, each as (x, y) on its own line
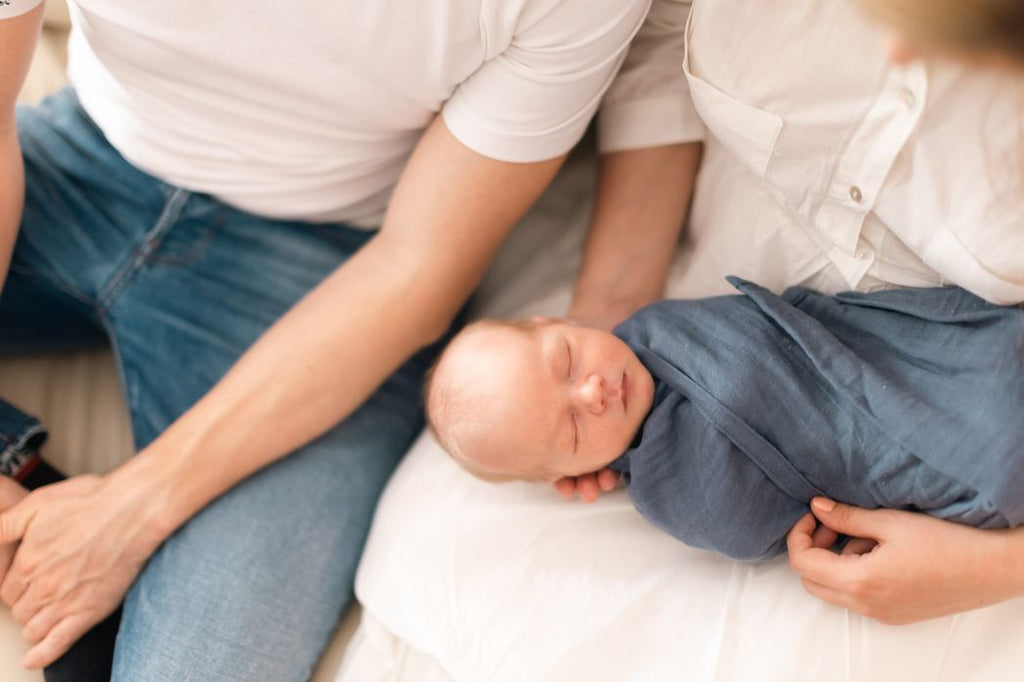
(823, 504)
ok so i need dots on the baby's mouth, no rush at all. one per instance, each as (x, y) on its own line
(624, 391)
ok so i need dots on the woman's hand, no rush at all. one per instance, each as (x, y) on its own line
(81, 547)
(901, 567)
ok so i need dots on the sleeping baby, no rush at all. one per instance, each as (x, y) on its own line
(727, 415)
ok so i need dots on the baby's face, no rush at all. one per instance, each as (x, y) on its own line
(545, 400)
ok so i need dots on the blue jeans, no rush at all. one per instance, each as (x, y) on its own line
(252, 587)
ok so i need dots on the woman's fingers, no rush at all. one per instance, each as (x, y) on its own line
(858, 546)
(828, 594)
(824, 537)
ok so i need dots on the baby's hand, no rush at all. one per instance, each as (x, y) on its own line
(587, 486)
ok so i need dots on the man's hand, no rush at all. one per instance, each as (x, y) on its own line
(78, 556)
(901, 567)
(10, 494)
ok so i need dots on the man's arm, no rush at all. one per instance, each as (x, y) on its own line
(903, 567)
(316, 365)
(18, 37)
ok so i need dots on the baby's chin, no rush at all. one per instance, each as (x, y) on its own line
(643, 394)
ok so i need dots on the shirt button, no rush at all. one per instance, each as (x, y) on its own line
(856, 194)
(908, 98)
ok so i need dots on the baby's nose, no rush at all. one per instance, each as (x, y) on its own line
(592, 393)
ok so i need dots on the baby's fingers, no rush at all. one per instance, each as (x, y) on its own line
(607, 479)
(587, 488)
(566, 487)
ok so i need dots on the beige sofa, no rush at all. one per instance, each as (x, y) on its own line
(78, 395)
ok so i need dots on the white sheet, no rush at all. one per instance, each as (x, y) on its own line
(509, 582)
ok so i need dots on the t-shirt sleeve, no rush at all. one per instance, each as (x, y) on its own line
(533, 99)
(648, 104)
(14, 8)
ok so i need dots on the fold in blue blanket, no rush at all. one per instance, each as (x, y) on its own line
(909, 399)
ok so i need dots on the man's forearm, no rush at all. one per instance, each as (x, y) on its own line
(12, 195)
(17, 43)
(306, 373)
(320, 361)
(641, 204)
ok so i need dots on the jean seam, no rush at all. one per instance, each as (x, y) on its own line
(140, 254)
(196, 251)
(58, 284)
(128, 390)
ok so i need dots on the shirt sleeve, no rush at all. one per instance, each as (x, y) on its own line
(649, 103)
(15, 8)
(534, 98)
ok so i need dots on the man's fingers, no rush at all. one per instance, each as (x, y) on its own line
(853, 521)
(14, 521)
(40, 624)
(29, 604)
(14, 584)
(56, 642)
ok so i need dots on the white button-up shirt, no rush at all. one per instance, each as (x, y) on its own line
(825, 164)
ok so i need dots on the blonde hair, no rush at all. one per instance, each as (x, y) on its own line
(968, 26)
(445, 411)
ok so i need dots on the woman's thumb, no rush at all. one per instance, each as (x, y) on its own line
(849, 520)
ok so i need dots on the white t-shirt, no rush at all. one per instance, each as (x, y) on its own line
(825, 165)
(15, 8)
(310, 111)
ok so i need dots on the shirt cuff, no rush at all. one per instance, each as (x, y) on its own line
(510, 146)
(652, 122)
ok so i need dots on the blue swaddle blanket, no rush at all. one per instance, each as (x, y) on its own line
(909, 399)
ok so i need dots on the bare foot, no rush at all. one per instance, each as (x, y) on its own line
(10, 494)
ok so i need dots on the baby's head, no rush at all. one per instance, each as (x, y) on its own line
(536, 399)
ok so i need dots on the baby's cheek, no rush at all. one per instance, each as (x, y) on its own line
(612, 442)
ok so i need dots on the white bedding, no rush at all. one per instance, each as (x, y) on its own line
(471, 581)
